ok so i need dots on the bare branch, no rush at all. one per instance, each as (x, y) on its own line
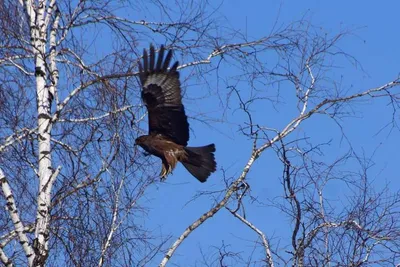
(13, 211)
(265, 242)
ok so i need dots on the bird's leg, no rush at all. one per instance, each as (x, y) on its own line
(171, 165)
(166, 169)
(163, 172)
(169, 170)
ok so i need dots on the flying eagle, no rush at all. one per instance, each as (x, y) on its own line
(168, 125)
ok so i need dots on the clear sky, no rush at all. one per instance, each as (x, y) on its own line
(374, 41)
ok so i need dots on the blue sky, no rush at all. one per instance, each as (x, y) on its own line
(374, 41)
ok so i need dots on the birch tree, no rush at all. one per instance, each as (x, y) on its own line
(71, 176)
(72, 180)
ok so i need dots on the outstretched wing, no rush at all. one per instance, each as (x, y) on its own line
(161, 92)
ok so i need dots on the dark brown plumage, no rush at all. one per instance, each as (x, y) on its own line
(168, 125)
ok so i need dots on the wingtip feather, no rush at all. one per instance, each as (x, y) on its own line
(160, 58)
(174, 67)
(145, 60)
(152, 57)
(167, 61)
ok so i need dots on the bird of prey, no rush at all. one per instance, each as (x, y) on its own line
(168, 126)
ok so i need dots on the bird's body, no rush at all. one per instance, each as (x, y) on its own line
(168, 151)
(168, 125)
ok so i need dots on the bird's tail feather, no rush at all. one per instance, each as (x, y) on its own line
(200, 161)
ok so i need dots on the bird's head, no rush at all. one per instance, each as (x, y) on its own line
(140, 140)
(143, 142)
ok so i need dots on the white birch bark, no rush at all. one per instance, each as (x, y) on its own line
(38, 15)
(18, 225)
